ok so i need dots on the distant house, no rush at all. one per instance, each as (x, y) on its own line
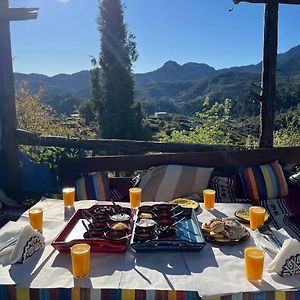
(160, 114)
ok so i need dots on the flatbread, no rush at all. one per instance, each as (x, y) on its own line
(243, 214)
(187, 203)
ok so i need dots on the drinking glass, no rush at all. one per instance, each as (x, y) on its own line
(254, 263)
(135, 195)
(257, 216)
(69, 196)
(80, 255)
(36, 218)
(209, 198)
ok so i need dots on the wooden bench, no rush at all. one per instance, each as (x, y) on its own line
(218, 159)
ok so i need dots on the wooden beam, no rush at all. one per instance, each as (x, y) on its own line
(296, 2)
(219, 159)
(113, 145)
(8, 109)
(18, 14)
(269, 66)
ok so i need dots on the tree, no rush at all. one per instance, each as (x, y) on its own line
(112, 80)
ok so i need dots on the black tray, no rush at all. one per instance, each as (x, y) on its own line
(189, 237)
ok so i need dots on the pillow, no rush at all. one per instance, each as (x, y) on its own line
(167, 182)
(93, 187)
(121, 192)
(225, 188)
(264, 181)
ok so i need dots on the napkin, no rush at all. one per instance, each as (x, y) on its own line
(287, 261)
(22, 244)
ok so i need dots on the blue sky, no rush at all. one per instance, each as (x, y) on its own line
(204, 31)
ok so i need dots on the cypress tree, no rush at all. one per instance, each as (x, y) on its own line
(112, 80)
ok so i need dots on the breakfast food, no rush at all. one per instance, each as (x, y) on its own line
(187, 203)
(120, 217)
(145, 216)
(224, 230)
(243, 215)
(145, 223)
(119, 226)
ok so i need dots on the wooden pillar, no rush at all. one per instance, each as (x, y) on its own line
(10, 149)
(269, 74)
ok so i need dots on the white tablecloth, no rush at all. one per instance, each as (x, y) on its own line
(216, 270)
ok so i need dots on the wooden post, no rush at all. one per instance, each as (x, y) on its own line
(8, 107)
(269, 74)
(10, 147)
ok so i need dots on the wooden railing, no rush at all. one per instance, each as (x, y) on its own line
(114, 146)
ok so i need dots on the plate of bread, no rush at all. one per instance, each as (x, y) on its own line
(225, 231)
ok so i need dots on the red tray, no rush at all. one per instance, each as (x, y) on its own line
(73, 232)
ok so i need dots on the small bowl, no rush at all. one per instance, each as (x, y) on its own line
(163, 207)
(119, 236)
(146, 215)
(98, 226)
(166, 232)
(120, 217)
(101, 218)
(145, 223)
(124, 210)
(104, 210)
(164, 215)
(93, 234)
(118, 225)
(144, 234)
(146, 209)
(165, 222)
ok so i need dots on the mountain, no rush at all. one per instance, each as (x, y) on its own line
(172, 71)
(172, 85)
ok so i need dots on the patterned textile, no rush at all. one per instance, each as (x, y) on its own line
(167, 182)
(225, 188)
(93, 187)
(264, 181)
(12, 292)
(285, 212)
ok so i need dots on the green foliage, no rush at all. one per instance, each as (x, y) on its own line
(112, 80)
(34, 116)
(215, 127)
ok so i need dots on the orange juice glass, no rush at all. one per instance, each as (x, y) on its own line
(69, 196)
(80, 255)
(254, 263)
(135, 195)
(257, 216)
(36, 218)
(209, 198)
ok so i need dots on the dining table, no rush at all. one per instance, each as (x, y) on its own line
(217, 271)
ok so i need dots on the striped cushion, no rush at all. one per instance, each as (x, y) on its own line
(264, 181)
(166, 182)
(93, 187)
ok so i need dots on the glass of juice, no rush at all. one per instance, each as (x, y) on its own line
(209, 198)
(257, 216)
(36, 218)
(69, 196)
(135, 195)
(80, 256)
(254, 263)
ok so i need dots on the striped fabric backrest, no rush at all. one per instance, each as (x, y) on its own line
(167, 182)
(93, 187)
(264, 181)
